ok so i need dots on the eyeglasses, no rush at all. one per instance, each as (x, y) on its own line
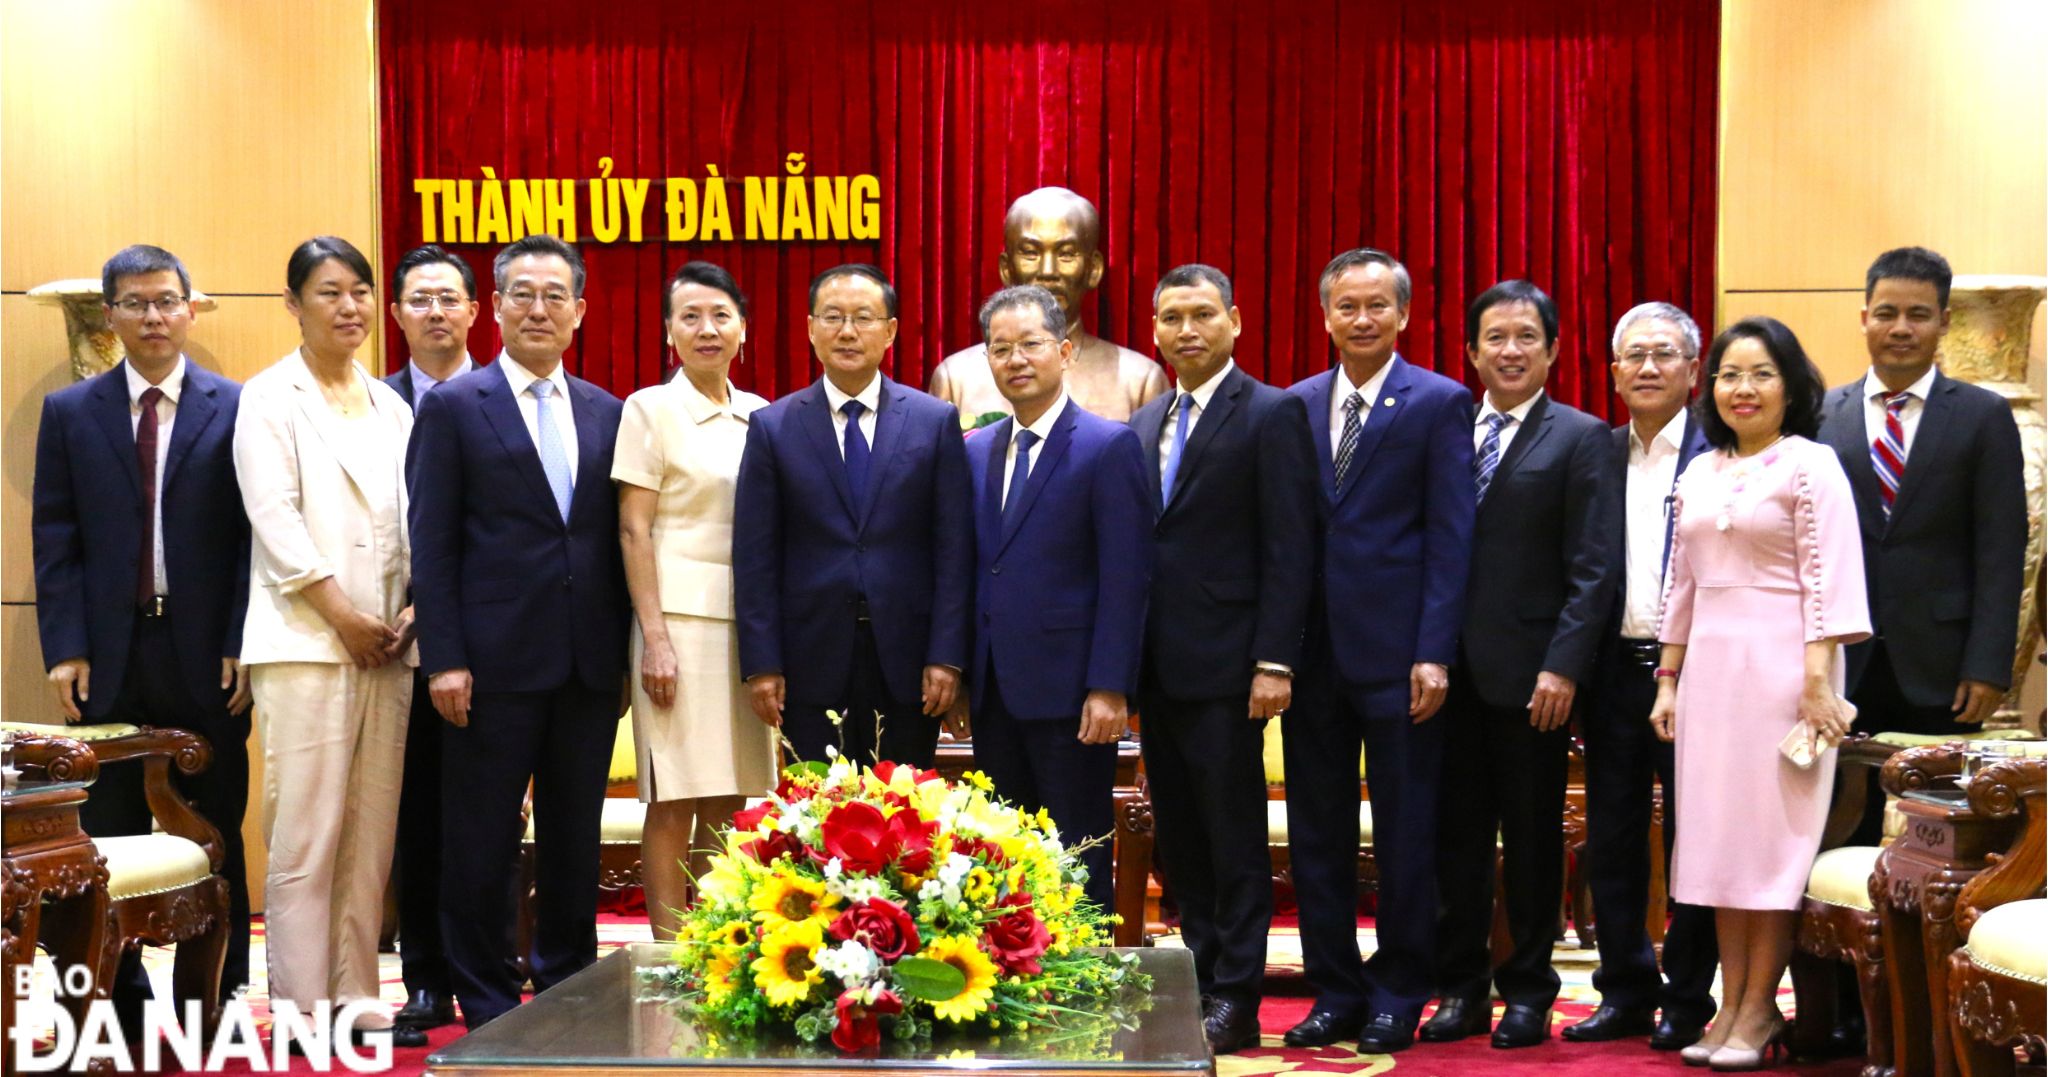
(422, 302)
(1761, 379)
(1662, 356)
(523, 299)
(834, 321)
(1034, 348)
(136, 307)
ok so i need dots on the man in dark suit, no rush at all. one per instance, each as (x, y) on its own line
(142, 569)
(435, 307)
(1535, 603)
(1394, 452)
(1935, 466)
(852, 546)
(1232, 465)
(1062, 517)
(1656, 366)
(521, 599)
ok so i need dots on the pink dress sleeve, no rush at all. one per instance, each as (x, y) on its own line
(1829, 545)
(1674, 621)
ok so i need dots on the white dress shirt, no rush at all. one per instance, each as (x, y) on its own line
(166, 414)
(1202, 395)
(1341, 389)
(1652, 475)
(871, 397)
(521, 380)
(1043, 428)
(1909, 416)
(1516, 415)
(423, 382)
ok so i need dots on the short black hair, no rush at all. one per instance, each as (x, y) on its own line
(134, 262)
(1512, 291)
(710, 275)
(431, 254)
(856, 269)
(1804, 385)
(307, 256)
(1910, 263)
(1404, 285)
(540, 244)
(1025, 297)
(1194, 275)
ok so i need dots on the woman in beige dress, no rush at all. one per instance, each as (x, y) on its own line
(701, 750)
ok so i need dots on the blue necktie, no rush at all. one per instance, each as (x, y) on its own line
(856, 451)
(1180, 445)
(554, 459)
(1025, 440)
(1347, 441)
(1488, 459)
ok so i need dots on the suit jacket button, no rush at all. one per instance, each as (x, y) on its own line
(568, 580)
(860, 547)
(997, 570)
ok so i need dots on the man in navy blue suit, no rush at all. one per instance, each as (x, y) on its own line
(852, 548)
(1232, 464)
(1656, 367)
(1394, 445)
(521, 600)
(435, 306)
(142, 569)
(1062, 527)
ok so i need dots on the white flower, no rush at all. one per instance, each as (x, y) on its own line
(851, 962)
(833, 868)
(955, 869)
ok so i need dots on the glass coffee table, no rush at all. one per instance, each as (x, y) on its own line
(607, 1020)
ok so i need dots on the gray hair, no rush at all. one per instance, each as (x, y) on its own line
(1194, 275)
(1404, 286)
(1660, 312)
(539, 245)
(1025, 296)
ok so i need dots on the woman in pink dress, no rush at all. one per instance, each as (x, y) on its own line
(1765, 584)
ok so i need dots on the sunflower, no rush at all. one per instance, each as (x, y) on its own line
(734, 933)
(718, 985)
(979, 886)
(783, 899)
(786, 971)
(961, 952)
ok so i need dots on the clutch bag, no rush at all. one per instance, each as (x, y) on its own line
(1803, 747)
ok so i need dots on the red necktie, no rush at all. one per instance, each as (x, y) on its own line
(145, 455)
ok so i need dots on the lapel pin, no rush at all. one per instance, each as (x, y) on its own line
(1389, 402)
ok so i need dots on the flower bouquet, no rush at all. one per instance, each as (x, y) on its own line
(855, 902)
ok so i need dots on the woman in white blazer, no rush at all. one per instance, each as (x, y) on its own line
(320, 454)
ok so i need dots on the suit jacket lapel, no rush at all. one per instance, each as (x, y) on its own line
(196, 409)
(989, 511)
(1042, 465)
(1533, 426)
(110, 409)
(322, 419)
(1928, 439)
(1319, 423)
(589, 462)
(1843, 432)
(1221, 405)
(502, 412)
(1149, 436)
(888, 431)
(1381, 415)
(814, 414)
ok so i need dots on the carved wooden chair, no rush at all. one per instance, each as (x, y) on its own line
(165, 888)
(1998, 979)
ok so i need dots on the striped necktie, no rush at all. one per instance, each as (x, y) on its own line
(1347, 442)
(1888, 452)
(1488, 460)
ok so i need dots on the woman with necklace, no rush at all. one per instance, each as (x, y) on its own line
(1765, 584)
(320, 455)
(701, 750)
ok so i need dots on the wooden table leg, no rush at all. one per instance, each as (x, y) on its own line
(1903, 955)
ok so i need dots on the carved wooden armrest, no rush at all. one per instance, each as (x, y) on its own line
(1920, 768)
(159, 750)
(1863, 750)
(55, 758)
(2011, 787)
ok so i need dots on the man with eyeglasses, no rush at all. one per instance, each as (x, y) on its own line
(852, 548)
(521, 599)
(435, 308)
(141, 555)
(1656, 349)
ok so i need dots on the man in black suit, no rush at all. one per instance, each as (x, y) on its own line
(1535, 603)
(1656, 366)
(141, 557)
(1935, 465)
(435, 307)
(1232, 464)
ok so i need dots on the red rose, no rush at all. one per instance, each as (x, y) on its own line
(989, 852)
(1016, 939)
(886, 771)
(860, 1024)
(746, 820)
(912, 838)
(880, 925)
(857, 834)
(765, 850)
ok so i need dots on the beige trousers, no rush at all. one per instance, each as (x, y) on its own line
(333, 753)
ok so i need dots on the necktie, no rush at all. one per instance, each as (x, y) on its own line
(1180, 445)
(554, 460)
(145, 456)
(856, 451)
(1888, 452)
(1347, 444)
(1025, 440)
(1488, 459)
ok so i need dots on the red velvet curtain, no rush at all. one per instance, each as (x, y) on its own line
(1571, 143)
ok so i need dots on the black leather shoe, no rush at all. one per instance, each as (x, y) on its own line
(1611, 1023)
(398, 1035)
(426, 1009)
(1677, 1033)
(1232, 1025)
(1522, 1026)
(1321, 1029)
(1457, 1018)
(1385, 1034)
